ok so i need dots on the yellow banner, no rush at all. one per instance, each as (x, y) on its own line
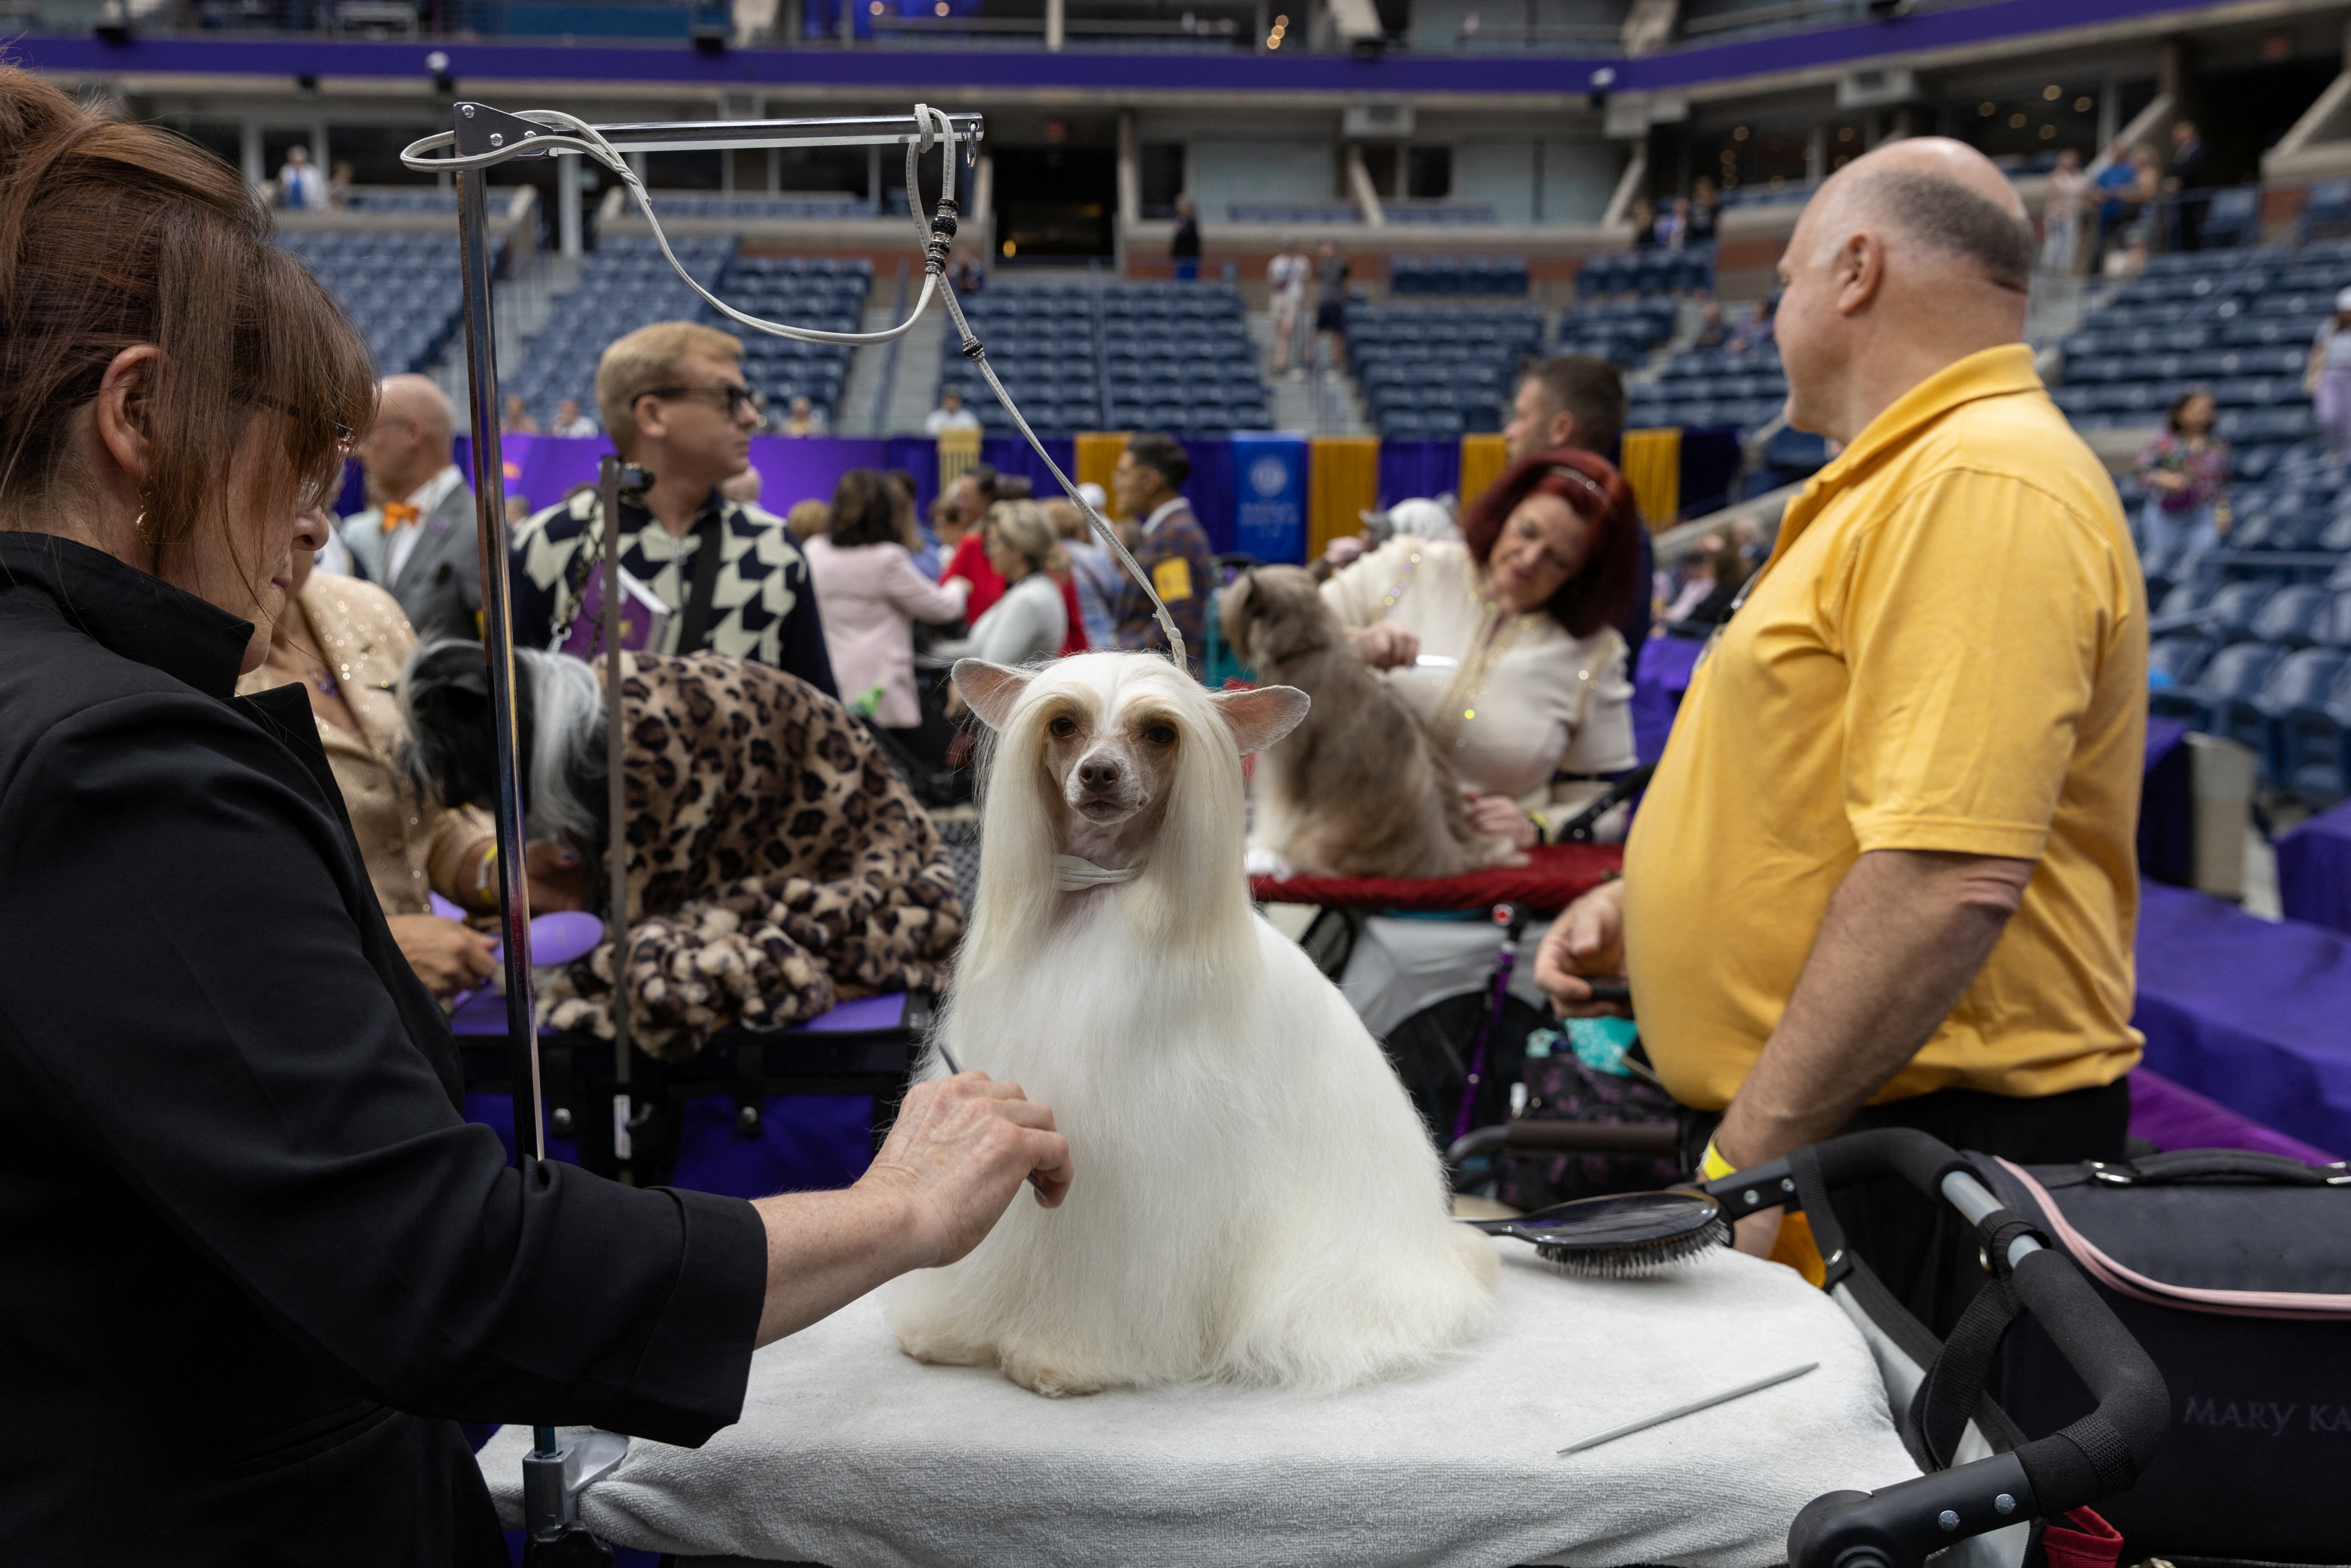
(1098, 453)
(958, 455)
(1343, 482)
(1652, 467)
(1483, 459)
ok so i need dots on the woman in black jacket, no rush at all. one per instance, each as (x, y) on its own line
(252, 1264)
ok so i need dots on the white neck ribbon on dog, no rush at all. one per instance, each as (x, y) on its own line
(1073, 873)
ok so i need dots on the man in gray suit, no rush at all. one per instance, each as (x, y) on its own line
(419, 539)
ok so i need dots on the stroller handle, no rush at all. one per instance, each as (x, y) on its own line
(2103, 1453)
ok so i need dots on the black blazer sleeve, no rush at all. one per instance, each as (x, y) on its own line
(802, 652)
(248, 1073)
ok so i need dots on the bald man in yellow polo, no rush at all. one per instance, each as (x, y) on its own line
(1886, 874)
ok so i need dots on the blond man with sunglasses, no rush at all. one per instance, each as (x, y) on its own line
(673, 396)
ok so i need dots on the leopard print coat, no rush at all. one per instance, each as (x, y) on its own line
(777, 862)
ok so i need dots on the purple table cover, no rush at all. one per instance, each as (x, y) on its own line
(2171, 1117)
(1666, 663)
(2314, 866)
(2253, 1014)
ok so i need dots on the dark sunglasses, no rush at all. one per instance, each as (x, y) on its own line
(737, 398)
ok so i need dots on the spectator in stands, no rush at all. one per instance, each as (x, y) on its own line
(2060, 214)
(1901, 788)
(808, 518)
(1523, 606)
(872, 596)
(1172, 548)
(1756, 331)
(1643, 216)
(518, 508)
(1705, 212)
(343, 641)
(1673, 224)
(2185, 470)
(300, 186)
(802, 421)
(421, 539)
(1031, 623)
(673, 397)
(1183, 249)
(1331, 308)
(339, 187)
(970, 277)
(950, 414)
(1711, 332)
(569, 421)
(2328, 377)
(1285, 278)
(1094, 571)
(2113, 184)
(517, 419)
(2184, 178)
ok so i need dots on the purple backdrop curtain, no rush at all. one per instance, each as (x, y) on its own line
(2313, 864)
(1414, 469)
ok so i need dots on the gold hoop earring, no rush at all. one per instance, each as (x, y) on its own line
(139, 526)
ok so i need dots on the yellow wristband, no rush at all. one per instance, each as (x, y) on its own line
(485, 877)
(1711, 1166)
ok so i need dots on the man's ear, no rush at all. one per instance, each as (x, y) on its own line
(1563, 431)
(1258, 718)
(990, 690)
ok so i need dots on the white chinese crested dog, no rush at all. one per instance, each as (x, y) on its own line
(1254, 1199)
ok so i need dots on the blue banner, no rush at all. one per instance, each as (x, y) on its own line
(1270, 496)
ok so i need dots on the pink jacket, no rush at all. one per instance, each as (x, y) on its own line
(869, 596)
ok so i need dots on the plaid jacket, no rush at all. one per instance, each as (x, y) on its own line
(1175, 556)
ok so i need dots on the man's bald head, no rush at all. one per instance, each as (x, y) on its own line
(410, 440)
(1908, 260)
(1941, 195)
(419, 399)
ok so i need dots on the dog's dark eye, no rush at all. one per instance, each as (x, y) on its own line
(1160, 735)
(1064, 728)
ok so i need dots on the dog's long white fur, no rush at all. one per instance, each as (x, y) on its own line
(1254, 1200)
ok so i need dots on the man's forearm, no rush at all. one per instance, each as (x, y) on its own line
(1904, 937)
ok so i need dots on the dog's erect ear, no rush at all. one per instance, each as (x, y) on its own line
(992, 690)
(1261, 717)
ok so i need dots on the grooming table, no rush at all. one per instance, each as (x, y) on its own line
(852, 1455)
(1555, 876)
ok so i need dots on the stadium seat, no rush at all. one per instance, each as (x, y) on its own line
(2300, 736)
(2295, 615)
(2223, 692)
(2174, 661)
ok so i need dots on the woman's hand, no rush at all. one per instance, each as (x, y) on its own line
(1500, 815)
(447, 956)
(1386, 645)
(1588, 938)
(557, 879)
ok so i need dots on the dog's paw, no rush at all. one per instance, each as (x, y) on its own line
(934, 1347)
(1046, 1373)
(1265, 863)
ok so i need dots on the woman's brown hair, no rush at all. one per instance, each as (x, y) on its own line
(1596, 596)
(864, 509)
(113, 234)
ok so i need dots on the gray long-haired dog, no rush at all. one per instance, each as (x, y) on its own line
(1356, 790)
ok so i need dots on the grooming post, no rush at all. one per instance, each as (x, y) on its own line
(497, 642)
(608, 480)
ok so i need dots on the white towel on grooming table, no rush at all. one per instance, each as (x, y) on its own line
(851, 1455)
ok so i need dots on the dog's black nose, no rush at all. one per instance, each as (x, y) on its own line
(1098, 773)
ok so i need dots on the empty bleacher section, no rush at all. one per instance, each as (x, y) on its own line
(401, 289)
(1458, 275)
(1121, 356)
(1708, 387)
(1432, 371)
(626, 283)
(1646, 273)
(1621, 330)
(1292, 212)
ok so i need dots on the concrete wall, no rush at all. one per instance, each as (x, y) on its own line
(1499, 173)
(1277, 169)
(1578, 177)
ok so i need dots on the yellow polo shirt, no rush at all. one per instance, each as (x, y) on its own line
(1946, 650)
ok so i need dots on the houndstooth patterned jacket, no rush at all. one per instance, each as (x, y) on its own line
(763, 608)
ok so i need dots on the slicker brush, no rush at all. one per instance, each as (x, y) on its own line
(1621, 1236)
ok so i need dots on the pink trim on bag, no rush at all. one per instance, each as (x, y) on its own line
(2299, 1306)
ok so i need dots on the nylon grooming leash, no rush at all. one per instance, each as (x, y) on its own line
(935, 236)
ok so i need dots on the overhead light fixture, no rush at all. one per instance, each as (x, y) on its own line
(113, 25)
(437, 64)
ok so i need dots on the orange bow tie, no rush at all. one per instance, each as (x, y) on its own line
(397, 514)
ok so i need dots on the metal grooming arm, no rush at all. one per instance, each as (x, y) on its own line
(557, 1473)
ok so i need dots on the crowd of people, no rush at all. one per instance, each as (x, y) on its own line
(2135, 202)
